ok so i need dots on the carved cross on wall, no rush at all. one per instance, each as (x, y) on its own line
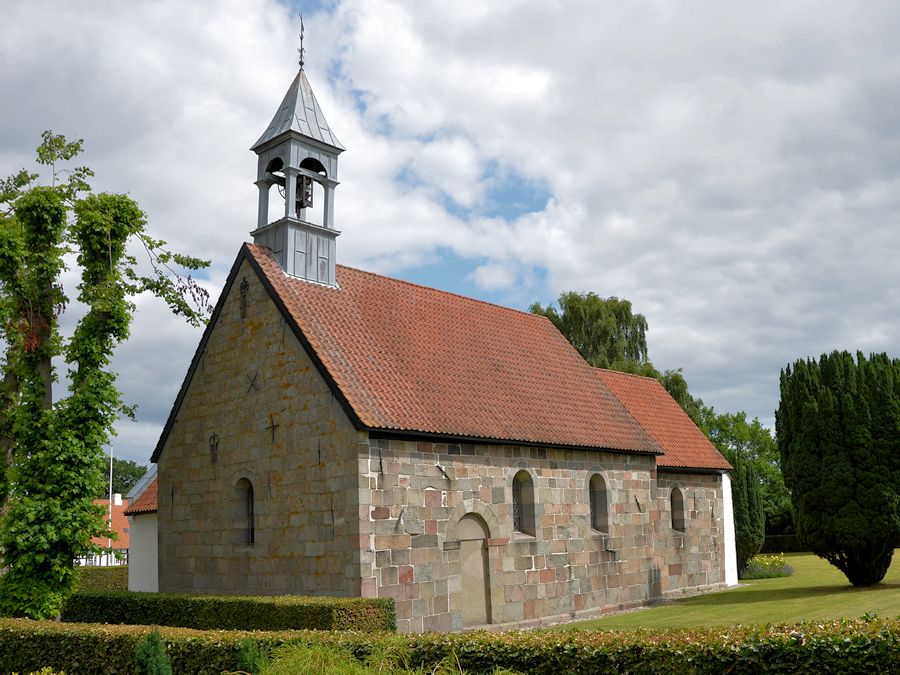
(272, 426)
(253, 384)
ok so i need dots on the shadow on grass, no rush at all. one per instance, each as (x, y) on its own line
(757, 594)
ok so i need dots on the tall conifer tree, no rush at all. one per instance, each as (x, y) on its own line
(838, 428)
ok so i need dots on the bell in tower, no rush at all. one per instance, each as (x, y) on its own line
(304, 193)
(297, 152)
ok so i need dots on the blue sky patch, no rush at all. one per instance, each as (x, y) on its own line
(449, 271)
(513, 194)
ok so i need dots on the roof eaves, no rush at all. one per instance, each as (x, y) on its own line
(412, 434)
(138, 510)
(669, 468)
(662, 463)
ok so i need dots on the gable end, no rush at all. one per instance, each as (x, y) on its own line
(295, 329)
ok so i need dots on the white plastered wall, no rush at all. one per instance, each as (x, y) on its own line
(731, 571)
(143, 574)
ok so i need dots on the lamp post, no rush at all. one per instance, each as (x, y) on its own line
(109, 540)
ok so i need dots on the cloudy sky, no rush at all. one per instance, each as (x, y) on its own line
(731, 168)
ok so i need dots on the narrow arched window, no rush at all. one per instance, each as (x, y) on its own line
(245, 511)
(599, 503)
(677, 504)
(523, 503)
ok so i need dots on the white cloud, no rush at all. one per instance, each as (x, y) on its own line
(492, 276)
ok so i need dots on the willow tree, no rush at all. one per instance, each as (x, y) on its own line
(604, 330)
(837, 427)
(53, 446)
(608, 334)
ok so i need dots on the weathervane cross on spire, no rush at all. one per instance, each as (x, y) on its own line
(300, 51)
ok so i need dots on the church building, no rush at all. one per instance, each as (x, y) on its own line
(343, 433)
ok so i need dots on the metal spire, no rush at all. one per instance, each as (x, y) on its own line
(300, 51)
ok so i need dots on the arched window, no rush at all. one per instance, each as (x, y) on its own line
(523, 503)
(677, 510)
(245, 512)
(314, 165)
(599, 503)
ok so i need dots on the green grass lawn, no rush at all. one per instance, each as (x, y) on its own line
(815, 591)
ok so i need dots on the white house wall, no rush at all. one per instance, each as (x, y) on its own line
(142, 565)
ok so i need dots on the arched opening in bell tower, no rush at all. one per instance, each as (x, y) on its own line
(274, 172)
(313, 194)
(309, 193)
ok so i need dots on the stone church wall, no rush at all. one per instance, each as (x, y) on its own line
(419, 492)
(338, 513)
(254, 375)
(693, 560)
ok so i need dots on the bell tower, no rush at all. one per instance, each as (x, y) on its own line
(296, 152)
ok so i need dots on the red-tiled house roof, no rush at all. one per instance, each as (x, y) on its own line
(409, 360)
(119, 524)
(146, 502)
(685, 446)
(405, 359)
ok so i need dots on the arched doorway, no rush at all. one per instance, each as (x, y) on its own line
(475, 595)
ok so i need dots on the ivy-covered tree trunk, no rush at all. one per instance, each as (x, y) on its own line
(837, 425)
(53, 449)
(38, 563)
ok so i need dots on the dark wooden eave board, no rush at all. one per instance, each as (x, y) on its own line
(432, 437)
(691, 469)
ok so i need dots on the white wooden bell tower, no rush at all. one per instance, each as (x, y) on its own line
(297, 151)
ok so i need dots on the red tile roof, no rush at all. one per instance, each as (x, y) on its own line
(684, 444)
(410, 358)
(146, 502)
(403, 358)
(119, 524)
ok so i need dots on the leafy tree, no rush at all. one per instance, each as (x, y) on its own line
(608, 334)
(125, 475)
(603, 330)
(53, 448)
(746, 499)
(755, 481)
(837, 424)
(755, 443)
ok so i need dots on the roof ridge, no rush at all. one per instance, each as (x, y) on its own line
(444, 292)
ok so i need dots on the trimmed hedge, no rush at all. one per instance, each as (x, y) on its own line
(231, 612)
(837, 646)
(113, 578)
